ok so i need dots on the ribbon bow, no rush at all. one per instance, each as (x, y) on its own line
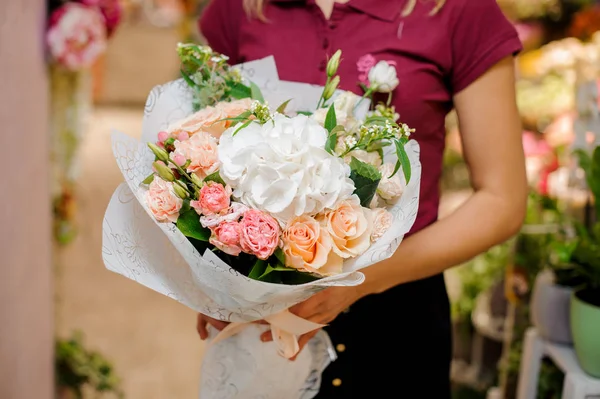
(286, 327)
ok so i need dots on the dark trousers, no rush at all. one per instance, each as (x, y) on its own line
(393, 345)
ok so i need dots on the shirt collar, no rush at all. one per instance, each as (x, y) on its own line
(386, 10)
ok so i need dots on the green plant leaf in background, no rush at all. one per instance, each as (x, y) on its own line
(239, 91)
(189, 225)
(366, 179)
(283, 106)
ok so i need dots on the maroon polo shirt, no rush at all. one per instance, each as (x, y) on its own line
(435, 56)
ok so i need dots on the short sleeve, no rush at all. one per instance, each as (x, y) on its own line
(481, 37)
(220, 25)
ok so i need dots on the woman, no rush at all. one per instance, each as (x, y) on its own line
(392, 333)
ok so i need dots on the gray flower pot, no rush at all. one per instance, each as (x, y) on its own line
(550, 309)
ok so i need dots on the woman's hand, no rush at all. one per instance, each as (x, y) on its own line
(322, 308)
(204, 320)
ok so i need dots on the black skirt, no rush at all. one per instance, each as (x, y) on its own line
(393, 345)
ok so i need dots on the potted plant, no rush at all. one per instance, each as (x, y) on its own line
(551, 297)
(79, 369)
(582, 257)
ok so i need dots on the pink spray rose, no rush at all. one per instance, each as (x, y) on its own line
(162, 201)
(76, 36)
(111, 11)
(226, 237)
(201, 150)
(259, 234)
(364, 65)
(214, 198)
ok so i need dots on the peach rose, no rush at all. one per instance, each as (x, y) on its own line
(235, 108)
(162, 201)
(308, 247)
(226, 237)
(201, 151)
(214, 198)
(349, 226)
(208, 120)
(259, 234)
(382, 221)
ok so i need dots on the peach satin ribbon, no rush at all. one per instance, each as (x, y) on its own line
(286, 327)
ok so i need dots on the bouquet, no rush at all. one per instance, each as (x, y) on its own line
(263, 207)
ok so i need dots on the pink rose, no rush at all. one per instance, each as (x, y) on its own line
(382, 221)
(259, 234)
(214, 198)
(233, 214)
(201, 151)
(349, 226)
(111, 11)
(307, 247)
(226, 237)
(76, 36)
(162, 201)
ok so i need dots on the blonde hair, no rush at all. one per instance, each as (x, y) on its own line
(256, 8)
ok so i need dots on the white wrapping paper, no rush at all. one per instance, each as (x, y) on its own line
(158, 256)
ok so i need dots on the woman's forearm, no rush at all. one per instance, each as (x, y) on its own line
(483, 221)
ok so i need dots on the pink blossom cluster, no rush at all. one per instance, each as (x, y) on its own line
(78, 31)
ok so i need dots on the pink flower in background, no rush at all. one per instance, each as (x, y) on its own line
(162, 201)
(541, 161)
(111, 11)
(226, 237)
(214, 198)
(76, 36)
(364, 65)
(259, 234)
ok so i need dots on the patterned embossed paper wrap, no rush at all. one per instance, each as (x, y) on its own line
(158, 256)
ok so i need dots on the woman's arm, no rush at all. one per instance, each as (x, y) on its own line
(491, 136)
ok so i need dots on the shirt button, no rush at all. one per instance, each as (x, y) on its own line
(322, 65)
(336, 382)
(340, 348)
(325, 43)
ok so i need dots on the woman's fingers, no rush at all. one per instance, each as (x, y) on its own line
(218, 324)
(303, 341)
(201, 326)
(266, 336)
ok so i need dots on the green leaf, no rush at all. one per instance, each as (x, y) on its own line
(188, 80)
(283, 106)
(307, 113)
(255, 93)
(279, 256)
(216, 177)
(333, 138)
(366, 178)
(239, 91)
(330, 119)
(258, 269)
(189, 224)
(403, 161)
(245, 125)
(148, 179)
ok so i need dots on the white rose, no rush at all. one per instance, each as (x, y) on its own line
(390, 188)
(382, 221)
(344, 105)
(282, 168)
(383, 77)
(371, 158)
